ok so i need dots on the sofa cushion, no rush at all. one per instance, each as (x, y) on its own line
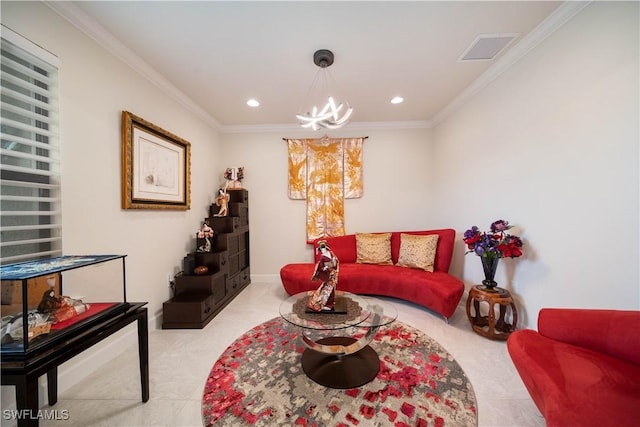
(575, 386)
(440, 292)
(576, 326)
(444, 253)
(417, 251)
(343, 247)
(373, 248)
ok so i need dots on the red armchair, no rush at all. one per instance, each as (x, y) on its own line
(582, 366)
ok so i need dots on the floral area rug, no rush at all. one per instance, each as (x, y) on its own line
(259, 381)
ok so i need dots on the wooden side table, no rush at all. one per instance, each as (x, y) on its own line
(488, 326)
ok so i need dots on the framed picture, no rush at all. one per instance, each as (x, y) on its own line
(156, 166)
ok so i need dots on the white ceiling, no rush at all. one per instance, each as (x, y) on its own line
(218, 54)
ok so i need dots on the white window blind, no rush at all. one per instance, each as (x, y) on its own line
(30, 168)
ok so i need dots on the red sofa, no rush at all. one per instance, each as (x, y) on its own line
(582, 366)
(438, 290)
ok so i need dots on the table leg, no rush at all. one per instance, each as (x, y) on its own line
(501, 325)
(143, 354)
(492, 319)
(514, 314)
(476, 306)
(52, 385)
(27, 400)
(341, 371)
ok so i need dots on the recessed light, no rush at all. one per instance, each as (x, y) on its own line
(253, 103)
(397, 100)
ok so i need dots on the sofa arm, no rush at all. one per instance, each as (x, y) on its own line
(613, 332)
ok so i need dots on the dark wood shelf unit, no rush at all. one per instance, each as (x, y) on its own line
(199, 298)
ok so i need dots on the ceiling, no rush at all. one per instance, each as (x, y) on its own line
(218, 54)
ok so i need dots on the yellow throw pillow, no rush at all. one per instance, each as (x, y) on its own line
(373, 248)
(418, 251)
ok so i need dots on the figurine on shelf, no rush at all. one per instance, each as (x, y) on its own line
(222, 200)
(49, 300)
(234, 178)
(61, 307)
(69, 307)
(323, 299)
(204, 237)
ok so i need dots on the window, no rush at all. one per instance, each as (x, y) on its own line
(30, 168)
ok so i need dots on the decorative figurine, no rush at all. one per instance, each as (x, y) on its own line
(201, 269)
(49, 301)
(222, 200)
(69, 307)
(60, 308)
(203, 238)
(234, 178)
(323, 299)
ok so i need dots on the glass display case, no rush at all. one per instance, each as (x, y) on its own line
(43, 301)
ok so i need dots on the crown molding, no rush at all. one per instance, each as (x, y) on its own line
(557, 19)
(91, 28)
(294, 127)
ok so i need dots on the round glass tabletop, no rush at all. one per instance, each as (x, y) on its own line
(350, 310)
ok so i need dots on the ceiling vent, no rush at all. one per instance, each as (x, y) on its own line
(487, 46)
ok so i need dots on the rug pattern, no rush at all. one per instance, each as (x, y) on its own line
(259, 381)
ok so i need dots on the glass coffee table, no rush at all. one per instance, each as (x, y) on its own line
(338, 354)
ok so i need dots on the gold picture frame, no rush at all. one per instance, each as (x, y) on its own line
(156, 166)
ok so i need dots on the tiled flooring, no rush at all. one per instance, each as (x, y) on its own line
(180, 361)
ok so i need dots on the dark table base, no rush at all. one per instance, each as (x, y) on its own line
(24, 373)
(343, 372)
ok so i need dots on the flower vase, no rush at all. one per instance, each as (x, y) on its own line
(489, 265)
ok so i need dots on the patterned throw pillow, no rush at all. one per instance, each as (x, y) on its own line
(373, 248)
(418, 251)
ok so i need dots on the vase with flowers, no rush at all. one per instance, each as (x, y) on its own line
(492, 245)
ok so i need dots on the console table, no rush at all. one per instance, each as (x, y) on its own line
(23, 371)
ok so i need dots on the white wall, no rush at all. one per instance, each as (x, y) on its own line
(398, 185)
(552, 146)
(95, 88)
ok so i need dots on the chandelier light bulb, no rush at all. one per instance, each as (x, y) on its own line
(328, 117)
(332, 115)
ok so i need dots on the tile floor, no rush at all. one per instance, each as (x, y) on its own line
(180, 361)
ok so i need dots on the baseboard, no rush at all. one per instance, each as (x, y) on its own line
(265, 278)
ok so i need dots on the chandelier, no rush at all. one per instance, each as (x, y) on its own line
(322, 107)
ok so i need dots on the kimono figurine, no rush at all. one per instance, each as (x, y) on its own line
(204, 237)
(60, 308)
(234, 177)
(222, 200)
(49, 301)
(323, 299)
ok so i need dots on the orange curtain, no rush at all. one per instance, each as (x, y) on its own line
(297, 168)
(325, 171)
(352, 167)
